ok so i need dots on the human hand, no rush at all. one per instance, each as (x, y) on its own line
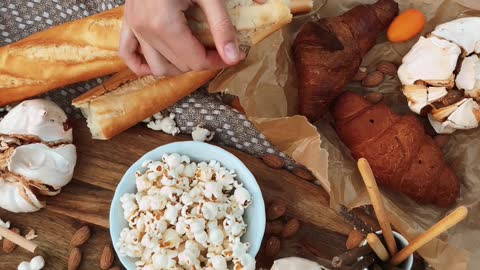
(157, 40)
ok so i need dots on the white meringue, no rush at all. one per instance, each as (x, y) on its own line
(17, 198)
(468, 78)
(464, 32)
(36, 263)
(294, 263)
(464, 117)
(38, 117)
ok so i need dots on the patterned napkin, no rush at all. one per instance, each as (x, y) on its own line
(21, 18)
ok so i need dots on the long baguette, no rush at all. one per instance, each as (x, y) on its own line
(87, 48)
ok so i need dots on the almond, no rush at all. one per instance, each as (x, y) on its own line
(74, 259)
(276, 210)
(441, 139)
(387, 68)
(80, 236)
(361, 73)
(354, 239)
(374, 97)
(373, 79)
(291, 228)
(274, 227)
(272, 248)
(303, 173)
(273, 161)
(106, 259)
(9, 246)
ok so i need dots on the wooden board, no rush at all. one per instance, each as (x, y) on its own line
(101, 164)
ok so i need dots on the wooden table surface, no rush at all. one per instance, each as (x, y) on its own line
(100, 166)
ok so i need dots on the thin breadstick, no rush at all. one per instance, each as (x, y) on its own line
(18, 239)
(443, 225)
(378, 247)
(301, 6)
(377, 202)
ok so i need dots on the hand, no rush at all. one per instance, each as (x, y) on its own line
(157, 40)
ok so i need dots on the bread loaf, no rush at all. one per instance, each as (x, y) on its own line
(402, 156)
(87, 48)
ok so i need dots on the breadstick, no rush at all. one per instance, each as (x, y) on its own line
(377, 202)
(301, 6)
(377, 246)
(18, 239)
(443, 225)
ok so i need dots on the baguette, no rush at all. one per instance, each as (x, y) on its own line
(125, 100)
(87, 48)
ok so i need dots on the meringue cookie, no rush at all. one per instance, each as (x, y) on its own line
(36, 263)
(463, 31)
(16, 197)
(38, 117)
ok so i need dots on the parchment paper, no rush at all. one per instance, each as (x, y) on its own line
(266, 86)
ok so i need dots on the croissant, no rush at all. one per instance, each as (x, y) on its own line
(328, 53)
(402, 156)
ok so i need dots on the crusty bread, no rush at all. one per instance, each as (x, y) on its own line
(125, 100)
(87, 48)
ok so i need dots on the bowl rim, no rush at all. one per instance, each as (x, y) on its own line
(254, 247)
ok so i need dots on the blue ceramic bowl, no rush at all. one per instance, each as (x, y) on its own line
(197, 151)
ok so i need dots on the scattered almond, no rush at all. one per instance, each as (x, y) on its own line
(74, 259)
(354, 239)
(273, 161)
(276, 210)
(361, 73)
(374, 97)
(303, 173)
(106, 259)
(80, 236)
(31, 235)
(291, 228)
(272, 248)
(441, 139)
(9, 246)
(274, 227)
(387, 68)
(373, 79)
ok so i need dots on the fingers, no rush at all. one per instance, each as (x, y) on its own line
(158, 64)
(222, 30)
(129, 52)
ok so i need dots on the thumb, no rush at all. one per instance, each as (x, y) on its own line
(223, 32)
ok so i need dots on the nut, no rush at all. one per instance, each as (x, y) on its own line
(74, 259)
(361, 73)
(441, 139)
(9, 246)
(354, 239)
(303, 173)
(106, 259)
(374, 97)
(291, 228)
(387, 68)
(373, 79)
(80, 236)
(274, 227)
(276, 210)
(273, 161)
(272, 248)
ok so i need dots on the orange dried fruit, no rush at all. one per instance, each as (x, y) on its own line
(406, 26)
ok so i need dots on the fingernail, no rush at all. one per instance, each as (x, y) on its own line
(231, 52)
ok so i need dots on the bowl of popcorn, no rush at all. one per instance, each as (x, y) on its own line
(187, 205)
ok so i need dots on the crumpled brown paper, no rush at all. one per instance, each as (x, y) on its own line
(266, 87)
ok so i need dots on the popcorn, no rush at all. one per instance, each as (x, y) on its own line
(36, 263)
(165, 124)
(185, 216)
(200, 134)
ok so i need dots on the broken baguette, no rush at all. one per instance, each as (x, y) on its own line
(87, 48)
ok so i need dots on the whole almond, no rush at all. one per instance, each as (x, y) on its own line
(361, 73)
(75, 259)
(373, 79)
(354, 239)
(303, 173)
(441, 139)
(9, 246)
(387, 68)
(291, 228)
(106, 259)
(276, 210)
(274, 227)
(272, 248)
(374, 97)
(273, 161)
(80, 236)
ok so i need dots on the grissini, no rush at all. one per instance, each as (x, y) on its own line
(87, 48)
(125, 100)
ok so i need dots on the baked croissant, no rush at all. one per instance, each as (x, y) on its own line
(402, 156)
(328, 53)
